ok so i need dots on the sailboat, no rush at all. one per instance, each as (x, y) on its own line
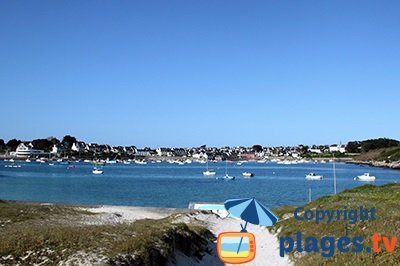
(227, 177)
(208, 172)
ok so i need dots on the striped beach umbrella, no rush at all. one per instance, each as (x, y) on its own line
(251, 211)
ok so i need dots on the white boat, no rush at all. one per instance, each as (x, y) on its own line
(11, 160)
(247, 174)
(313, 176)
(239, 163)
(158, 161)
(12, 166)
(140, 162)
(97, 171)
(365, 177)
(262, 161)
(28, 160)
(51, 164)
(127, 162)
(208, 172)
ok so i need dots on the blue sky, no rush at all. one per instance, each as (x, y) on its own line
(187, 73)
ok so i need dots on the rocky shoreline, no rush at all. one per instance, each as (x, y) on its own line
(382, 164)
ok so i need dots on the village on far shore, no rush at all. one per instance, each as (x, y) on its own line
(71, 148)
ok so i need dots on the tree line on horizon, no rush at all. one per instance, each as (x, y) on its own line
(40, 144)
(67, 142)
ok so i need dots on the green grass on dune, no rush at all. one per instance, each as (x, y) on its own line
(33, 233)
(385, 199)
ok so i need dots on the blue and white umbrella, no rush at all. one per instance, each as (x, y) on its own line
(251, 211)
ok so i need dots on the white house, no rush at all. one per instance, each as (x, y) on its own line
(318, 151)
(27, 150)
(337, 148)
(76, 147)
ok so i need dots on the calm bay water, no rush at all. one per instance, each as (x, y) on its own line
(172, 185)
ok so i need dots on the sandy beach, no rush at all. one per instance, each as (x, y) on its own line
(267, 245)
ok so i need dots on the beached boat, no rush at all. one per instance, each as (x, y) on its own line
(365, 177)
(97, 171)
(313, 176)
(247, 174)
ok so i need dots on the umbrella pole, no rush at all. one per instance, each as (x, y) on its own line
(241, 239)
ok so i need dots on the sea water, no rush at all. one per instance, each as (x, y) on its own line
(171, 185)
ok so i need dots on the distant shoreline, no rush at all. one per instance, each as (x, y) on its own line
(379, 164)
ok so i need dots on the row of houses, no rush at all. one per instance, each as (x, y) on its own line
(246, 153)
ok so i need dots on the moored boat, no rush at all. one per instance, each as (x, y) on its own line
(209, 173)
(247, 174)
(226, 177)
(97, 171)
(365, 177)
(313, 176)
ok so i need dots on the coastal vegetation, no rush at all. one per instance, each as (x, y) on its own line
(49, 234)
(385, 199)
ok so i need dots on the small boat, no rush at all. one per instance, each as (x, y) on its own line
(28, 160)
(12, 165)
(365, 177)
(51, 164)
(140, 162)
(247, 174)
(209, 173)
(97, 171)
(313, 176)
(127, 162)
(11, 160)
(226, 177)
(239, 163)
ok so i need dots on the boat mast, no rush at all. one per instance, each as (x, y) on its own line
(334, 175)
